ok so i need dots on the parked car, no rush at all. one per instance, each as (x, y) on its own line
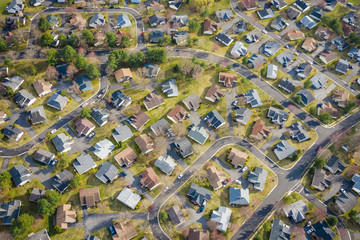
(310, 230)
(237, 181)
(151, 208)
(319, 148)
(235, 107)
(244, 169)
(343, 191)
(123, 173)
(191, 126)
(166, 189)
(180, 176)
(128, 120)
(235, 103)
(112, 230)
(203, 206)
(91, 135)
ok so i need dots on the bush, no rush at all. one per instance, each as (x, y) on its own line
(332, 221)
(58, 229)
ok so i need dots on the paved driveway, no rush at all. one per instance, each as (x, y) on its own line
(134, 182)
(337, 183)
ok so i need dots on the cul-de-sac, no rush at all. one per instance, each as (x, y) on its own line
(179, 119)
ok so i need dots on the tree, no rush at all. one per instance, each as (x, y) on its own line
(58, 229)
(52, 56)
(71, 70)
(51, 73)
(166, 41)
(44, 25)
(197, 70)
(297, 99)
(267, 226)
(68, 53)
(85, 112)
(3, 45)
(350, 106)
(21, 226)
(125, 41)
(88, 37)
(186, 67)
(73, 40)
(111, 39)
(313, 111)
(62, 40)
(307, 83)
(200, 5)
(156, 55)
(333, 23)
(245, 60)
(92, 71)
(212, 225)
(5, 180)
(140, 58)
(45, 208)
(7, 62)
(163, 216)
(194, 26)
(325, 117)
(332, 221)
(46, 39)
(32, 70)
(354, 38)
(116, 58)
(80, 62)
(319, 162)
(53, 197)
(75, 182)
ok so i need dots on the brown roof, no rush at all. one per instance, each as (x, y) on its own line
(9, 38)
(122, 73)
(99, 36)
(139, 119)
(144, 142)
(176, 215)
(248, 4)
(215, 177)
(327, 107)
(124, 231)
(309, 44)
(152, 100)
(197, 234)
(323, 32)
(64, 216)
(260, 130)
(340, 96)
(237, 157)
(328, 55)
(89, 197)
(42, 86)
(209, 25)
(227, 78)
(295, 34)
(177, 114)
(126, 156)
(83, 126)
(78, 21)
(149, 178)
(214, 92)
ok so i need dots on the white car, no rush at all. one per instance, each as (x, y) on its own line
(343, 191)
(180, 176)
(244, 169)
(238, 181)
(166, 189)
(310, 230)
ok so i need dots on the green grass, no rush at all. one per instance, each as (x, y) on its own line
(70, 233)
(8, 143)
(338, 12)
(103, 234)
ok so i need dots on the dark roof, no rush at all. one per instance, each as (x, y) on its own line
(286, 84)
(11, 131)
(243, 115)
(306, 96)
(279, 230)
(214, 119)
(176, 215)
(40, 235)
(334, 164)
(266, 13)
(323, 231)
(84, 83)
(120, 99)
(23, 98)
(199, 194)
(224, 38)
(317, 13)
(156, 19)
(241, 26)
(303, 70)
(293, 13)
(37, 115)
(155, 36)
(10, 211)
(20, 174)
(62, 180)
(100, 115)
(277, 115)
(43, 156)
(184, 147)
(36, 195)
(161, 127)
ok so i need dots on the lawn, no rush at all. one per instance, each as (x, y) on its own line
(70, 233)
(12, 144)
(338, 12)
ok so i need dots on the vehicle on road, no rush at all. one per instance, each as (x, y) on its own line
(319, 148)
(166, 189)
(53, 131)
(151, 208)
(180, 176)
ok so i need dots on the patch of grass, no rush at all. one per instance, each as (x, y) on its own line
(103, 234)
(70, 233)
(8, 143)
(103, 132)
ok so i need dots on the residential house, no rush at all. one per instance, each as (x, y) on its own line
(294, 35)
(13, 22)
(224, 15)
(284, 150)
(277, 116)
(83, 83)
(271, 48)
(119, 37)
(24, 99)
(302, 5)
(120, 100)
(253, 37)
(341, 97)
(340, 43)
(155, 36)
(179, 20)
(279, 23)
(99, 38)
(166, 164)
(126, 157)
(37, 115)
(156, 19)
(170, 88)
(323, 33)
(181, 37)
(224, 38)
(209, 27)
(36, 195)
(57, 101)
(97, 21)
(308, 22)
(298, 132)
(243, 115)
(156, 8)
(53, 20)
(296, 211)
(258, 178)
(249, 4)
(20, 175)
(12, 132)
(10, 211)
(138, 120)
(123, 21)
(62, 180)
(103, 148)
(317, 13)
(252, 97)
(152, 101)
(213, 93)
(177, 114)
(214, 119)
(320, 180)
(15, 7)
(306, 96)
(239, 197)
(323, 231)
(3, 116)
(84, 163)
(198, 134)
(198, 195)
(351, 18)
(123, 74)
(238, 50)
(176, 215)
(62, 142)
(145, 143)
(356, 180)
(124, 231)
(44, 156)
(175, 4)
(240, 27)
(346, 201)
(216, 178)
(285, 58)
(13, 82)
(303, 70)
(77, 21)
(100, 115)
(149, 179)
(129, 198)
(265, 13)
(89, 197)
(161, 128)
(287, 84)
(279, 230)
(354, 53)
(192, 102)
(84, 126)
(64, 216)
(309, 45)
(335, 165)
(227, 79)
(107, 173)
(293, 13)
(122, 133)
(327, 107)
(259, 130)
(197, 234)
(279, 4)
(330, 5)
(342, 66)
(183, 147)
(42, 87)
(327, 56)
(256, 61)
(222, 218)
(237, 158)
(62, 70)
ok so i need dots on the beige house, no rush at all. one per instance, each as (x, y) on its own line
(65, 215)
(123, 74)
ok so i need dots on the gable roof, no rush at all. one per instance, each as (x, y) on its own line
(239, 196)
(129, 198)
(83, 126)
(138, 120)
(9, 211)
(161, 127)
(277, 116)
(237, 157)
(57, 101)
(198, 194)
(64, 216)
(124, 231)
(296, 211)
(284, 150)
(238, 50)
(279, 23)
(192, 102)
(13, 82)
(36, 194)
(214, 93)
(152, 100)
(279, 230)
(62, 180)
(256, 60)
(20, 174)
(62, 142)
(107, 172)
(184, 147)
(334, 164)
(265, 13)
(89, 196)
(170, 88)
(285, 58)
(342, 66)
(166, 163)
(252, 97)
(243, 115)
(215, 177)
(149, 178)
(176, 215)
(224, 14)
(40, 235)
(122, 133)
(12, 132)
(145, 143)
(224, 38)
(214, 119)
(308, 22)
(197, 234)
(323, 231)
(293, 13)
(297, 131)
(295, 34)
(155, 36)
(222, 218)
(306, 96)
(42, 87)
(209, 27)
(43, 156)
(100, 115)
(119, 99)
(177, 114)
(126, 157)
(151, 70)
(122, 73)
(303, 70)
(84, 83)
(84, 163)
(24, 99)
(97, 20)
(346, 201)
(259, 130)
(37, 115)
(123, 20)
(258, 178)
(310, 44)
(198, 134)
(320, 180)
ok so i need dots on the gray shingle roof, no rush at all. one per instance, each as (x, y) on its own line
(43, 156)
(119, 99)
(161, 127)
(334, 164)
(176, 215)
(346, 201)
(122, 133)
(100, 115)
(129, 198)
(277, 116)
(107, 172)
(198, 134)
(239, 196)
(199, 194)
(252, 97)
(306, 96)
(284, 150)
(37, 115)
(166, 163)
(57, 101)
(170, 87)
(84, 163)
(296, 211)
(298, 132)
(62, 180)
(258, 178)
(243, 115)
(13, 82)
(24, 99)
(62, 142)
(184, 147)
(40, 235)
(214, 119)
(123, 21)
(10, 211)
(279, 230)
(20, 174)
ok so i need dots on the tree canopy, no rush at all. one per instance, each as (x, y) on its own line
(45, 208)
(111, 39)
(332, 221)
(80, 62)
(44, 25)
(325, 117)
(88, 37)
(3, 45)
(46, 39)
(92, 71)
(21, 226)
(68, 53)
(156, 55)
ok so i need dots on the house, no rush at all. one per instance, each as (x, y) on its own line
(342, 66)
(84, 126)
(224, 15)
(306, 96)
(3, 116)
(24, 99)
(149, 179)
(256, 61)
(156, 36)
(323, 33)
(177, 114)
(285, 58)
(302, 5)
(16, 6)
(354, 53)
(356, 180)
(330, 5)
(44, 156)
(124, 231)
(13, 22)
(253, 37)
(279, 4)
(40, 235)
(293, 13)
(183, 147)
(89, 197)
(181, 37)
(284, 150)
(351, 18)
(224, 38)
(123, 74)
(209, 27)
(277, 116)
(216, 178)
(287, 85)
(179, 20)
(258, 178)
(279, 230)
(62, 180)
(192, 102)
(303, 70)
(265, 13)
(100, 116)
(340, 43)
(240, 26)
(239, 197)
(152, 100)
(36, 195)
(271, 48)
(249, 4)
(37, 115)
(166, 164)
(12, 132)
(214, 120)
(327, 56)
(77, 21)
(170, 88)
(62, 70)
(126, 157)
(197, 234)
(13, 82)
(151, 70)
(20, 175)
(84, 163)
(123, 21)
(298, 132)
(335, 165)
(243, 115)
(222, 218)
(10, 211)
(120, 100)
(317, 13)
(122, 133)
(129, 198)
(99, 38)
(176, 215)
(213, 93)
(198, 134)
(346, 201)
(309, 45)
(156, 8)
(97, 21)
(279, 23)
(341, 97)
(294, 35)
(296, 211)
(64, 216)
(138, 120)
(198, 195)
(42, 87)
(323, 231)
(103, 148)
(259, 130)
(156, 19)
(62, 143)
(319, 81)
(237, 158)
(308, 22)
(175, 4)
(145, 143)
(57, 101)
(53, 20)
(83, 83)
(107, 173)
(320, 180)
(252, 97)
(327, 107)
(161, 128)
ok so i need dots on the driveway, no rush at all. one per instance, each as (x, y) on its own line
(230, 98)
(337, 183)
(172, 153)
(277, 134)
(69, 87)
(80, 143)
(134, 182)
(21, 120)
(197, 120)
(5, 164)
(322, 94)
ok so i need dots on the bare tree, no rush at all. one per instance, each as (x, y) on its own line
(71, 70)
(160, 143)
(51, 73)
(212, 225)
(186, 67)
(179, 130)
(132, 109)
(81, 51)
(185, 232)
(197, 71)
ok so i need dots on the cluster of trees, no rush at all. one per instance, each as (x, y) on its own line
(319, 162)
(194, 26)
(47, 204)
(189, 69)
(354, 38)
(200, 5)
(44, 25)
(5, 181)
(3, 45)
(22, 226)
(333, 23)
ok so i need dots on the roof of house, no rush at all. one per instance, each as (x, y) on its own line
(293, 13)
(177, 114)
(328, 107)
(97, 20)
(279, 23)
(100, 115)
(243, 115)
(123, 20)
(84, 83)
(64, 215)
(308, 22)
(258, 178)
(237, 157)
(122, 133)
(129, 198)
(342, 66)
(209, 26)
(152, 70)
(181, 19)
(144, 142)
(306, 96)
(252, 97)
(192, 102)
(156, 19)
(184, 146)
(170, 87)
(20, 174)
(256, 60)
(328, 55)
(284, 150)
(335, 164)
(214, 92)
(77, 20)
(161, 127)
(298, 131)
(320, 179)
(277, 115)
(317, 13)
(41, 86)
(271, 48)
(279, 230)
(43, 156)
(40, 235)
(57, 101)
(354, 53)
(240, 26)
(152, 100)
(303, 70)
(227, 78)
(198, 134)
(37, 115)
(13, 82)
(12, 132)
(121, 73)
(222, 218)
(24, 98)
(224, 38)
(285, 58)
(323, 231)
(166, 163)
(83, 126)
(138, 120)
(199, 194)
(36, 195)
(249, 4)
(239, 196)
(89, 196)
(224, 14)
(155, 36)
(126, 156)
(296, 210)
(62, 142)
(287, 84)
(340, 96)
(238, 49)
(265, 13)
(346, 201)
(215, 177)
(214, 119)
(340, 43)
(107, 172)
(197, 234)
(176, 215)
(279, 4)
(295, 34)
(62, 180)
(149, 178)
(259, 129)
(272, 71)
(124, 231)
(84, 163)
(119, 99)
(9, 211)
(309, 44)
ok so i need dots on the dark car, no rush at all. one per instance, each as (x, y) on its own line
(111, 7)
(191, 126)
(112, 230)
(79, 8)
